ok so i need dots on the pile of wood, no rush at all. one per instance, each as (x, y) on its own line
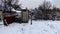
(8, 18)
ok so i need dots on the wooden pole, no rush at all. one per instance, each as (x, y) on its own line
(31, 19)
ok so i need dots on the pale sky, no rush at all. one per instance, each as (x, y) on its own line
(35, 3)
(30, 4)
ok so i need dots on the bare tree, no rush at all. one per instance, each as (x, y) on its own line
(9, 4)
(46, 5)
(42, 10)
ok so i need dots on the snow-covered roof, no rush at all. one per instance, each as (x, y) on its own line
(15, 10)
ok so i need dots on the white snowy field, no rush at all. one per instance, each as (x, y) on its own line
(37, 27)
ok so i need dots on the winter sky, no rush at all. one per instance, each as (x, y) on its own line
(35, 3)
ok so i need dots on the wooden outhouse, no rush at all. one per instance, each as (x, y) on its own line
(1, 15)
(24, 15)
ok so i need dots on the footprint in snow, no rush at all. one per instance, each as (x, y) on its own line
(51, 26)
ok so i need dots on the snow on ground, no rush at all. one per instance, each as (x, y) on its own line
(37, 27)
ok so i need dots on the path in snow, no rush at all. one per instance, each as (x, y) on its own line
(37, 27)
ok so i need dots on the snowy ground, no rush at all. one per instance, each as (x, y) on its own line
(38, 27)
